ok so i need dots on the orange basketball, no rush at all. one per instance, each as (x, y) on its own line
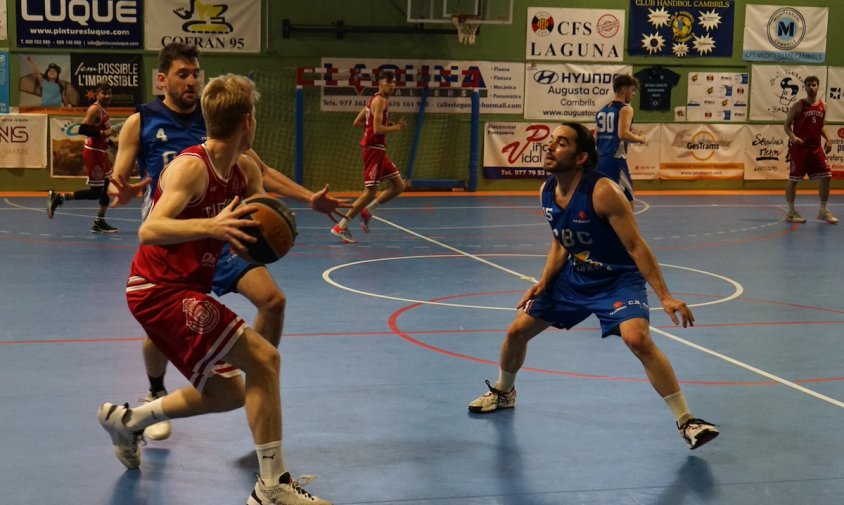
(276, 233)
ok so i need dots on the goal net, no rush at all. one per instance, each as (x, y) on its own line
(434, 151)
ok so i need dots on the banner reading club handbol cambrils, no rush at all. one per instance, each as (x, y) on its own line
(232, 26)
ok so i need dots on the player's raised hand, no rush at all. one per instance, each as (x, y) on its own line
(121, 191)
(328, 205)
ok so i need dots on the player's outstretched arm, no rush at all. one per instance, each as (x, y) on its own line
(120, 190)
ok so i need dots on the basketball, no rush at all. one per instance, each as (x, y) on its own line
(276, 233)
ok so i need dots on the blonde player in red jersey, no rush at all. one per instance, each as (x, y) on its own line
(195, 211)
(804, 125)
(377, 167)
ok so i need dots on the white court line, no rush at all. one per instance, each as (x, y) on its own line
(750, 368)
(723, 357)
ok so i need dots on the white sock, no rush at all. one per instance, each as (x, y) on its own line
(506, 381)
(270, 462)
(823, 206)
(146, 414)
(372, 206)
(677, 403)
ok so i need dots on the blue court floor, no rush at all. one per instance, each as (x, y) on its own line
(388, 340)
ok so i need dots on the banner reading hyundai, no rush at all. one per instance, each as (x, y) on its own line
(87, 24)
(682, 28)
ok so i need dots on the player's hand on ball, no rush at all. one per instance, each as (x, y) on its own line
(228, 224)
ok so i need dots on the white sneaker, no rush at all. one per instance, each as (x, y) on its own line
(826, 215)
(157, 431)
(343, 234)
(697, 432)
(794, 217)
(286, 492)
(493, 400)
(113, 419)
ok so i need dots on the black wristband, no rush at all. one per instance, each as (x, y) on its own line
(89, 131)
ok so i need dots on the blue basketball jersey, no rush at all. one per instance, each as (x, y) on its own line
(597, 258)
(606, 127)
(164, 134)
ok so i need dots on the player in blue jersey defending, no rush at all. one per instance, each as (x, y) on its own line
(613, 132)
(598, 263)
(155, 135)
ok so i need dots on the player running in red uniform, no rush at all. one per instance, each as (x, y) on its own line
(377, 166)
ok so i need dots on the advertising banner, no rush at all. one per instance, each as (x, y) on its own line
(702, 151)
(122, 72)
(574, 34)
(347, 84)
(232, 26)
(775, 88)
(80, 24)
(835, 158)
(681, 28)
(4, 82)
(717, 96)
(834, 97)
(516, 150)
(66, 145)
(643, 159)
(767, 153)
(45, 82)
(779, 33)
(23, 141)
(567, 91)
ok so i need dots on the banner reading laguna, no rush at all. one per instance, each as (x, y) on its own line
(87, 24)
(777, 33)
(219, 26)
(568, 91)
(574, 34)
(685, 28)
(347, 84)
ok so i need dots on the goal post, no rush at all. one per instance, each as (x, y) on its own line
(441, 151)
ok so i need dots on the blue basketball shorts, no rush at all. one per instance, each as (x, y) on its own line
(564, 308)
(230, 268)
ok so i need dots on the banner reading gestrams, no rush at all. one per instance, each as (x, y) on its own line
(232, 26)
(568, 91)
(766, 153)
(683, 28)
(702, 151)
(89, 24)
(347, 84)
(124, 73)
(775, 88)
(778, 33)
(23, 141)
(574, 34)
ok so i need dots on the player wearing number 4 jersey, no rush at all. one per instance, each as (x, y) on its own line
(598, 263)
(804, 125)
(613, 133)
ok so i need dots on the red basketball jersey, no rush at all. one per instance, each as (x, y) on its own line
(370, 139)
(100, 142)
(191, 264)
(808, 123)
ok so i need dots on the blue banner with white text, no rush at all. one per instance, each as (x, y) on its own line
(80, 24)
(679, 29)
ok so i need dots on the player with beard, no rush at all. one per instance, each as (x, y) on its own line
(598, 263)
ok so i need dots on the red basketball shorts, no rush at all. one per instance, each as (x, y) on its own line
(377, 166)
(809, 161)
(194, 330)
(96, 165)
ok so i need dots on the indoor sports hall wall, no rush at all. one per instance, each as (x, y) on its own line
(331, 152)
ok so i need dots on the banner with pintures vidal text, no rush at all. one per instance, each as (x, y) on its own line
(221, 26)
(681, 28)
(784, 33)
(574, 34)
(80, 24)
